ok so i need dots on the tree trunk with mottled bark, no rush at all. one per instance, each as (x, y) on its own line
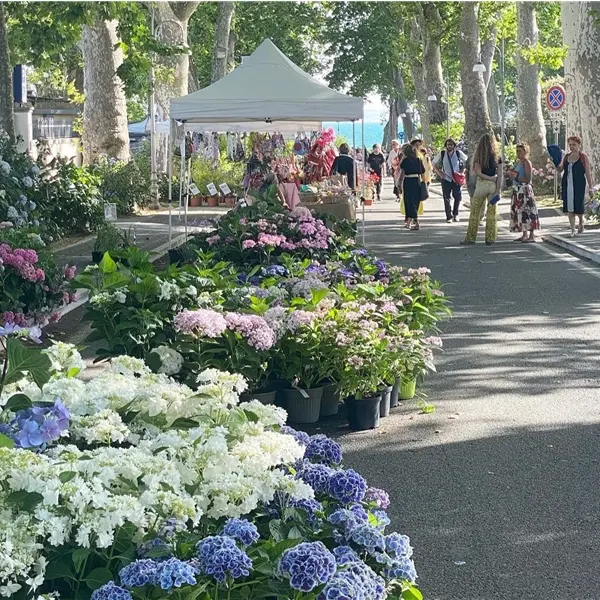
(477, 120)
(7, 120)
(487, 58)
(530, 120)
(586, 51)
(402, 105)
(570, 17)
(233, 38)
(391, 128)
(104, 111)
(417, 72)
(432, 29)
(221, 42)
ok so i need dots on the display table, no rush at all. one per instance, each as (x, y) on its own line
(341, 210)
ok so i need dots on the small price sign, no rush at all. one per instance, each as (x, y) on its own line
(225, 188)
(194, 189)
(212, 188)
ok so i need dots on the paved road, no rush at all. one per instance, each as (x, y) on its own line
(499, 488)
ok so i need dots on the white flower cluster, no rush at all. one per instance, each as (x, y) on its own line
(65, 358)
(305, 287)
(127, 459)
(171, 360)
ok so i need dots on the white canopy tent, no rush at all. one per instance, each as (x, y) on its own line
(266, 91)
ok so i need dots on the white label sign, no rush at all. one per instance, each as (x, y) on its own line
(194, 189)
(212, 189)
(225, 188)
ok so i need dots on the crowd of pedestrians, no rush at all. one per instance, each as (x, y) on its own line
(485, 176)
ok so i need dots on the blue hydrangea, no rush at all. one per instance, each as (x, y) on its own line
(359, 512)
(366, 579)
(307, 565)
(110, 591)
(241, 530)
(360, 252)
(398, 545)
(300, 436)
(345, 519)
(403, 568)
(347, 486)
(344, 555)
(170, 527)
(382, 519)
(273, 270)
(219, 556)
(37, 426)
(174, 573)
(378, 497)
(317, 476)
(138, 573)
(342, 587)
(322, 449)
(310, 506)
(157, 549)
(369, 537)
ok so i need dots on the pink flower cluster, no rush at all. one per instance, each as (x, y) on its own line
(22, 260)
(267, 239)
(13, 318)
(254, 328)
(208, 323)
(211, 241)
(69, 272)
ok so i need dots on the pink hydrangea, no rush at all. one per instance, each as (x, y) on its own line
(213, 239)
(247, 244)
(69, 272)
(254, 328)
(201, 322)
(389, 307)
(267, 239)
(22, 260)
(301, 318)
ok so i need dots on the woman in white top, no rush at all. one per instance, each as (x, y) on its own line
(393, 165)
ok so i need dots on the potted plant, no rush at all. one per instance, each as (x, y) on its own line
(195, 200)
(109, 238)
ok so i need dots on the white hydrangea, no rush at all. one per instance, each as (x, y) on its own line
(65, 357)
(168, 290)
(4, 167)
(104, 427)
(128, 365)
(171, 360)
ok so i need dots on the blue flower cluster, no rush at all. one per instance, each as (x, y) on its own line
(138, 573)
(241, 530)
(37, 426)
(403, 568)
(369, 537)
(307, 565)
(347, 486)
(378, 497)
(174, 573)
(110, 591)
(382, 519)
(218, 556)
(316, 269)
(170, 527)
(398, 545)
(156, 549)
(344, 555)
(346, 519)
(360, 252)
(317, 476)
(302, 438)
(310, 506)
(274, 270)
(356, 581)
(322, 449)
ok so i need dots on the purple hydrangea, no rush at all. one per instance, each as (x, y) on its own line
(174, 573)
(110, 591)
(322, 449)
(138, 573)
(360, 252)
(398, 545)
(347, 486)
(219, 556)
(344, 555)
(241, 530)
(317, 476)
(378, 497)
(37, 426)
(369, 537)
(402, 568)
(307, 565)
(300, 436)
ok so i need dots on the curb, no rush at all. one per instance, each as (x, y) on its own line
(158, 252)
(574, 247)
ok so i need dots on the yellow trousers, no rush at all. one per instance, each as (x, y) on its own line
(484, 192)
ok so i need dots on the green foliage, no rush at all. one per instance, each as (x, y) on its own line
(205, 172)
(439, 133)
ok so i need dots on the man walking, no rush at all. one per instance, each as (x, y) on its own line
(376, 162)
(449, 165)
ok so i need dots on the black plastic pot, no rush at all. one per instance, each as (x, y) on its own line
(263, 397)
(384, 408)
(394, 394)
(301, 408)
(175, 256)
(363, 414)
(330, 402)
(97, 257)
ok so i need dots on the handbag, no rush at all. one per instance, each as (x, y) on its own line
(424, 191)
(459, 178)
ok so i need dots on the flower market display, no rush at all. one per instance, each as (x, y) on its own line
(282, 299)
(132, 485)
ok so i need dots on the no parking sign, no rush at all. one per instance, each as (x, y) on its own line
(556, 97)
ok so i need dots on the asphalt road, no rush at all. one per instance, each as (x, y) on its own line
(499, 489)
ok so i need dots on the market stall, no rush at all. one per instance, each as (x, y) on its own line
(266, 89)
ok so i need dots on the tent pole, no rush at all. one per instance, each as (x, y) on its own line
(170, 175)
(364, 179)
(354, 150)
(187, 194)
(181, 173)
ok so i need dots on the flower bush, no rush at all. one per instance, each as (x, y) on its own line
(132, 485)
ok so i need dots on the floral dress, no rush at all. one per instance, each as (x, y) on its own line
(523, 208)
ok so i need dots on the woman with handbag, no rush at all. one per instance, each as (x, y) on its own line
(487, 165)
(411, 184)
(523, 209)
(449, 164)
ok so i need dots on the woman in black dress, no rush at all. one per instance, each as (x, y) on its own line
(409, 181)
(576, 172)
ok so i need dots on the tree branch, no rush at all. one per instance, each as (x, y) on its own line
(183, 10)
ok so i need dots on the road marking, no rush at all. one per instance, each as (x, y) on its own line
(570, 259)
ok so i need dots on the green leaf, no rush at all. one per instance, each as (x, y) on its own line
(107, 264)
(184, 423)
(24, 500)
(153, 361)
(73, 372)
(66, 476)
(59, 570)
(79, 557)
(98, 577)
(6, 442)
(412, 594)
(18, 402)
(23, 360)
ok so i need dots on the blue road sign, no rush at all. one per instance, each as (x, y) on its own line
(555, 97)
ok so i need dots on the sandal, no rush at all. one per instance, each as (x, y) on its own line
(415, 227)
(466, 243)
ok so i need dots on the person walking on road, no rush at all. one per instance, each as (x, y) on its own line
(524, 216)
(449, 164)
(487, 165)
(344, 165)
(393, 165)
(575, 167)
(376, 162)
(409, 181)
